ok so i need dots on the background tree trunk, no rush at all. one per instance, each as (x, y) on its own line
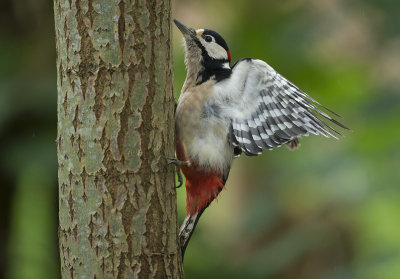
(118, 216)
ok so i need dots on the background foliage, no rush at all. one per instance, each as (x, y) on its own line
(327, 210)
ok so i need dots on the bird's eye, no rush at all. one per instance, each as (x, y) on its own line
(208, 39)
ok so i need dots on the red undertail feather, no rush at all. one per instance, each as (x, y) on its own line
(202, 187)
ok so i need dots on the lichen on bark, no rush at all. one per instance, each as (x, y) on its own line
(115, 130)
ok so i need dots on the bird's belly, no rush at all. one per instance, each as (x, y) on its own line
(206, 144)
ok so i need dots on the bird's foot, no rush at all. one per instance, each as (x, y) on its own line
(178, 164)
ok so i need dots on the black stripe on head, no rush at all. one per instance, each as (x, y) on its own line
(218, 39)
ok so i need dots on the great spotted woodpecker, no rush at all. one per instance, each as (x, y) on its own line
(223, 111)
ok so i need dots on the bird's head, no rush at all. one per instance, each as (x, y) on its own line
(204, 48)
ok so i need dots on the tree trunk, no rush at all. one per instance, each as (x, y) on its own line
(118, 216)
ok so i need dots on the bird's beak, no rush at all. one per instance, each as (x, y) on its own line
(186, 32)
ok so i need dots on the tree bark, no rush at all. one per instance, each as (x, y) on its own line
(118, 215)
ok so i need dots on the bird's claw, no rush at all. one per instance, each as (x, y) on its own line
(180, 179)
(178, 164)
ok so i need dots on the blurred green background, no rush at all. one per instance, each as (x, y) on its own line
(328, 210)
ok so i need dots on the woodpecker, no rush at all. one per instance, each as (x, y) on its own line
(224, 111)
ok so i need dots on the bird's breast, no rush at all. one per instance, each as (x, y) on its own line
(202, 133)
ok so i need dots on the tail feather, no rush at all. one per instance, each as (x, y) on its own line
(200, 193)
(202, 187)
(188, 226)
(187, 229)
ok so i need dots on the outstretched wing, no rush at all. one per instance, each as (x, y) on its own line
(267, 110)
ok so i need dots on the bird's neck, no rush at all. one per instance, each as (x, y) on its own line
(218, 69)
(206, 69)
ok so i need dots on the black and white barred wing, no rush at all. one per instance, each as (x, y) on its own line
(267, 110)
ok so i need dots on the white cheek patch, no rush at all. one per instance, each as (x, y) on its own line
(215, 51)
